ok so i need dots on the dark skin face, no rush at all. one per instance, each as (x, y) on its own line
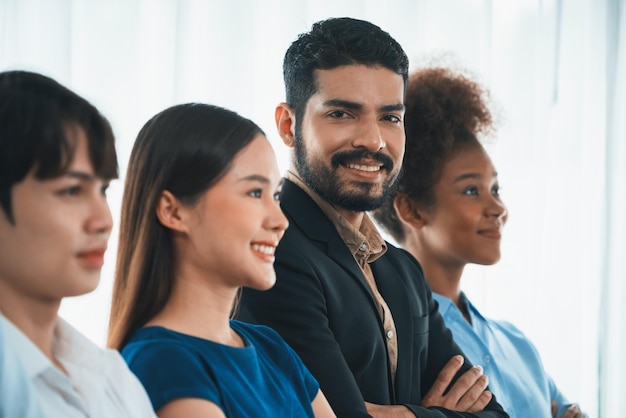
(462, 226)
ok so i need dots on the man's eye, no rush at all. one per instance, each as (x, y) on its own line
(338, 114)
(393, 118)
(71, 191)
(495, 191)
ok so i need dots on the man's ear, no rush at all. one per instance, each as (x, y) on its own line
(409, 212)
(285, 123)
(170, 212)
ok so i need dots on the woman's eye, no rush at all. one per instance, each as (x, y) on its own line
(471, 191)
(495, 191)
(255, 193)
(104, 189)
(277, 196)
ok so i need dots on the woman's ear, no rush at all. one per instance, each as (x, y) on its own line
(169, 211)
(285, 123)
(409, 212)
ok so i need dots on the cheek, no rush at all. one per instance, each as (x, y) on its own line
(465, 214)
(315, 150)
(235, 223)
(456, 223)
(395, 141)
(52, 233)
(325, 140)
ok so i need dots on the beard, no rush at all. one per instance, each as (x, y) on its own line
(355, 196)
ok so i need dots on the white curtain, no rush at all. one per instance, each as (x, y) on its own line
(556, 70)
(612, 342)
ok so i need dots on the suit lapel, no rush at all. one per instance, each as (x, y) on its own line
(307, 215)
(304, 213)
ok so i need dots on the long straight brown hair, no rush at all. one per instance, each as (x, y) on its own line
(184, 149)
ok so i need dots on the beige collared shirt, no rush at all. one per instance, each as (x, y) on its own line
(366, 245)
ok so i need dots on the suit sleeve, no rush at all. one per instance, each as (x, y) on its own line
(296, 308)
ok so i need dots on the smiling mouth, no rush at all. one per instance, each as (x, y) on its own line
(368, 168)
(264, 249)
(363, 161)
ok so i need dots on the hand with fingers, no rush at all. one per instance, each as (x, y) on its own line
(573, 411)
(467, 394)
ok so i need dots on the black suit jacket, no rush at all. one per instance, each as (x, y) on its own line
(322, 306)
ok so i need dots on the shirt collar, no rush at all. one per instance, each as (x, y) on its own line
(68, 345)
(363, 241)
(446, 305)
(34, 362)
(473, 311)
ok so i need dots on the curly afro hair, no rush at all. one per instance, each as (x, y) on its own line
(445, 112)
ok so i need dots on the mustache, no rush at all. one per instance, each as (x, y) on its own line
(345, 157)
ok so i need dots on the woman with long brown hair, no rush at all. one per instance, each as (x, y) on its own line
(201, 219)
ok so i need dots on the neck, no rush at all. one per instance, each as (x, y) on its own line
(200, 308)
(354, 218)
(36, 318)
(443, 277)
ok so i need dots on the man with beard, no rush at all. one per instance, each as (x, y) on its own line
(356, 309)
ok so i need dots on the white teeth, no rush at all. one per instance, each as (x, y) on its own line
(363, 167)
(265, 249)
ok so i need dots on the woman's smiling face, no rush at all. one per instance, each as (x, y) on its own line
(236, 225)
(465, 222)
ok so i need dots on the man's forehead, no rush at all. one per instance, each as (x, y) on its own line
(346, 81)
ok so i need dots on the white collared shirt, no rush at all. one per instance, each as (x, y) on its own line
(17, 395)
(98, 384)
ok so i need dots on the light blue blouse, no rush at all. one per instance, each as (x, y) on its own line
(516, 374)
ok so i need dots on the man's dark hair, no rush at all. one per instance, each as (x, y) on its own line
(332, 43)
(37, 116)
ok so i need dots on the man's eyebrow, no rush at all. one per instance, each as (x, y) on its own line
(342, 103)
(346, 104)
(393, 108)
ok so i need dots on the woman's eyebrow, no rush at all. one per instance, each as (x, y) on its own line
(255, 177)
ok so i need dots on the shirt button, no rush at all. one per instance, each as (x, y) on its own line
(363, 247)
(389, 334)
(487, 359)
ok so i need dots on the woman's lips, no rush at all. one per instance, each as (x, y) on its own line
(92, 258)
(490, 233)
